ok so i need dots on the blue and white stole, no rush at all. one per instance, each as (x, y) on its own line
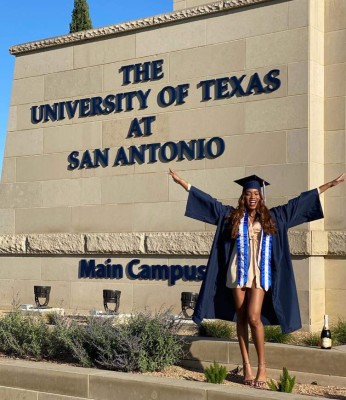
(264, 254)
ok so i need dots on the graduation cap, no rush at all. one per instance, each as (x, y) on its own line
(253, 182)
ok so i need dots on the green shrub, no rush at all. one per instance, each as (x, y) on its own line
(218, 329)
(159, 345)
(100, 343)
(312, 339)
(284, 384)
(273, 334)
(51, 317)
(24, 336)
(215, 373)
(147, 342)
(338, 331)
(61, 338)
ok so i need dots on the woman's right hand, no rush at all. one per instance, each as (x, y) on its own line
(178, 180)
(175, 176)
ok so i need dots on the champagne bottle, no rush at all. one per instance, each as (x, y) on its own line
(326, 336)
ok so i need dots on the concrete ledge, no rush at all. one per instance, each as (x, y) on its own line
(302, 243)
(309, 364)
(44, 377)
(301, 377)
(22, 394)
(43, 381)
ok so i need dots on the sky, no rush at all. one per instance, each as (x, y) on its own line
(24, 21)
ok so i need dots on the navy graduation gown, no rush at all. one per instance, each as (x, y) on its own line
(280, 305)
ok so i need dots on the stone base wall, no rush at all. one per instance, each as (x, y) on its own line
(335, 277)
(54, 260)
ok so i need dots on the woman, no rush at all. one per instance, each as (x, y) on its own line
(249, 273)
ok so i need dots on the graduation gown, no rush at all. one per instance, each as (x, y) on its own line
(280, 305)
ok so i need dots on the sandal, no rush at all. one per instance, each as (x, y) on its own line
(247, 382)
(259, 384)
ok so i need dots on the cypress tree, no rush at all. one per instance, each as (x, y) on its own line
(80, 17)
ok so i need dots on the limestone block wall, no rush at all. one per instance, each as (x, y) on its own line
(313, 278)
(335, 116)
(335, 125)
(54, 260)
(78, 295)
(266, 134)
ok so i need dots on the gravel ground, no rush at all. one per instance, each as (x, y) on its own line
(235, 379)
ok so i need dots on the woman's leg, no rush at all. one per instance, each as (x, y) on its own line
(240, 302)
(255, 301)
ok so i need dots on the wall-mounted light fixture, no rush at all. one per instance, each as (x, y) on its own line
(111, 296)
(188, 302)
(42, 292)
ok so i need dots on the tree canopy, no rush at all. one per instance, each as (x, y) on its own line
(81, 20)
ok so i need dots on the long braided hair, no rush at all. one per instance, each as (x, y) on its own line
(262, 215)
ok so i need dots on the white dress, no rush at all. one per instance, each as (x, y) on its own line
(255, 231)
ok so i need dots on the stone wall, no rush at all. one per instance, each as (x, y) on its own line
(335, 125)
(294, 137)
(40, 195)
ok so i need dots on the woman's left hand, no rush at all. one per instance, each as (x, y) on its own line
(338, 180)
(332, 183)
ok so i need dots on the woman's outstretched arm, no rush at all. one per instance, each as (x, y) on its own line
(306, 207)
(178, 180)
(201, 205)
(332, 183)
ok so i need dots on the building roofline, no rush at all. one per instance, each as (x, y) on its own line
(135, 25)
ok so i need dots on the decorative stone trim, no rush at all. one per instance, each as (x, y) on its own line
(189, 243)
(12, 244)
(302, 243)
(113, 30)
(115, 243)
(58, 243)
(337, 243)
